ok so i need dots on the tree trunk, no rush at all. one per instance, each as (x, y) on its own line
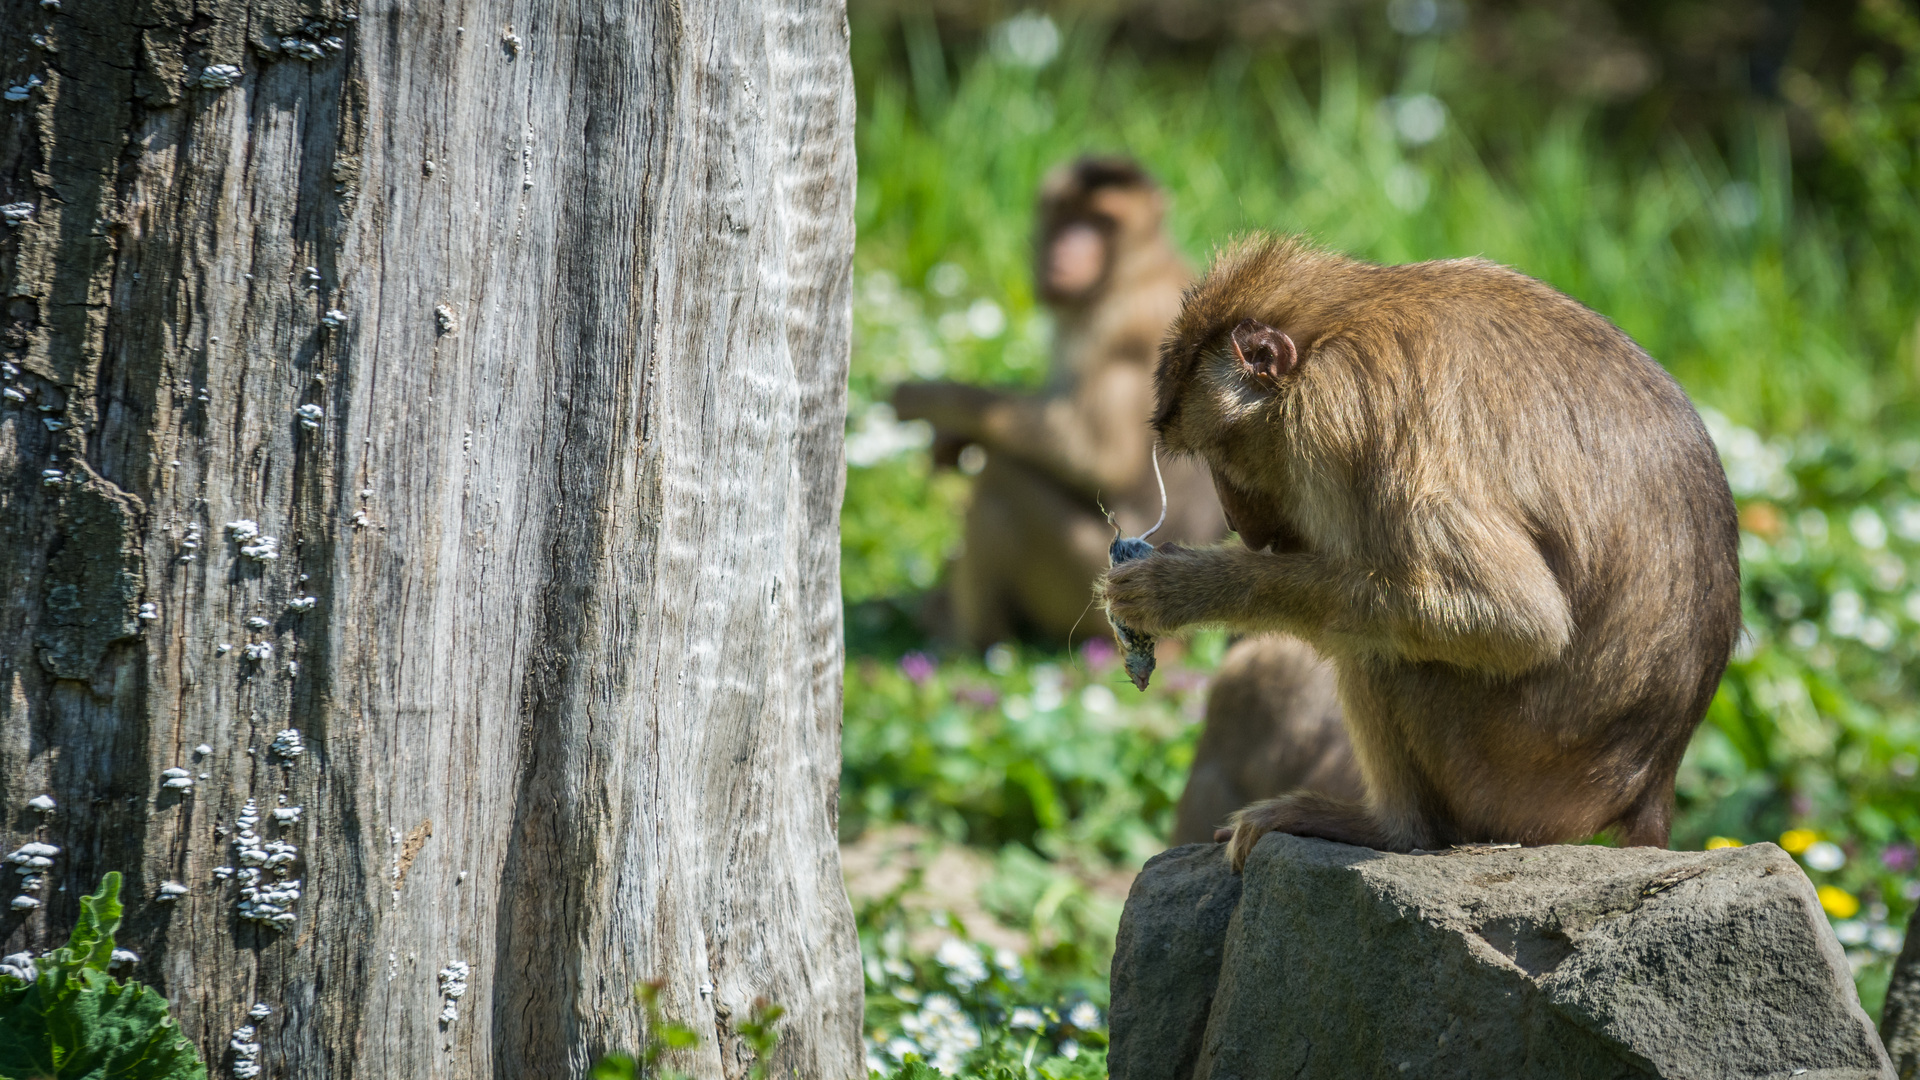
(522, 329)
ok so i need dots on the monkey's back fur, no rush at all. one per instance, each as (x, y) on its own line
(1500, 519)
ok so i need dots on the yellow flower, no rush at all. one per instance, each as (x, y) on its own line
(1715, 843)
(1797, 841)
(1839, 902)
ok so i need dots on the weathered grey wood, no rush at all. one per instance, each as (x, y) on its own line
(569, 688)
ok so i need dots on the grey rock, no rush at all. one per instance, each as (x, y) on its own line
(1900, 1016)
(1166, 960)
(1565, 961)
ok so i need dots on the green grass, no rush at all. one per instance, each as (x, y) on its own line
(1785, 304)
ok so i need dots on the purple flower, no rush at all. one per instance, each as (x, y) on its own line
(1098, 653)
(983, 697)
(917, 666)
(1899, 857)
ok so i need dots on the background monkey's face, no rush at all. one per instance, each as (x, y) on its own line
(1076, 260)
(1094, 214)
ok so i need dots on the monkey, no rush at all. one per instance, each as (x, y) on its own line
(1499, 518)
(1036, 536)
(1272, 726)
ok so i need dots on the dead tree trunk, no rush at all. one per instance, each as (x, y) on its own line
(462, 388)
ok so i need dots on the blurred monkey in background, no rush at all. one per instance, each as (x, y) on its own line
(1036, 539)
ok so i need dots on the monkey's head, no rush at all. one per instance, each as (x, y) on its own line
(1229, 379)
(1091, 213)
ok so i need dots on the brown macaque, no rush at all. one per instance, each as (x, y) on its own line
(1500, 520)
(1035, 536)
(1272, 727)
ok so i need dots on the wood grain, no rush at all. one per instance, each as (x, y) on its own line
(566, 506)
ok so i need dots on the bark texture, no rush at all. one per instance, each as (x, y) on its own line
(521, 328)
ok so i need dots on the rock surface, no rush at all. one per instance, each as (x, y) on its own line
(1900, 1017)
(1166, 960)
(1531, 962)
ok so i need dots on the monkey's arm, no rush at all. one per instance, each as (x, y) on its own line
(1501, 615)
(1095, 440)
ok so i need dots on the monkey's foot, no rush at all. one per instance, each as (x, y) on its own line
(1304, 813)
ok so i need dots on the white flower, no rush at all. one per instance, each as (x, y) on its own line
(881, 435)
(1008, 962)
(1049, 689)
(1025, 1018)
(1029, 39)
(1844, 609)
(942, 1031)
(1867, 528)
(1851, 932)
(1084, 1016)
(1887, 939)
(947, 279)
(1417, 118)
(1070, 1050)
(1825, 856)
(1812, 523)
(1000, 658)
(1754, 467)
(1098, 700)
(985, 319)
(963, 963)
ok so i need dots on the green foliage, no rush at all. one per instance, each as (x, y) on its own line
(1873, 133)
(1065, 758)
(665, 1036)
(74, 1021)
(979, 1012)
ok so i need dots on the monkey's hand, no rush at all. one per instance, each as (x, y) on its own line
(954, 409)
(1175, 587)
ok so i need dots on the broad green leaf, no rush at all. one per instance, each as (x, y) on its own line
(76, 1022)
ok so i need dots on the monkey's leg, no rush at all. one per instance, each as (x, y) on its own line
(1649, 822)
(976, 582)
(1032, 554)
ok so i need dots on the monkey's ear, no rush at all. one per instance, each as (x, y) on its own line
(1264, 351)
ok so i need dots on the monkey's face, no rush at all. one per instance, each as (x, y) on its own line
(1076, 260)
(1085, 233)
(1256, 517)
(1229, 411)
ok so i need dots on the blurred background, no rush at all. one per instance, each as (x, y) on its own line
(1734, 184)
